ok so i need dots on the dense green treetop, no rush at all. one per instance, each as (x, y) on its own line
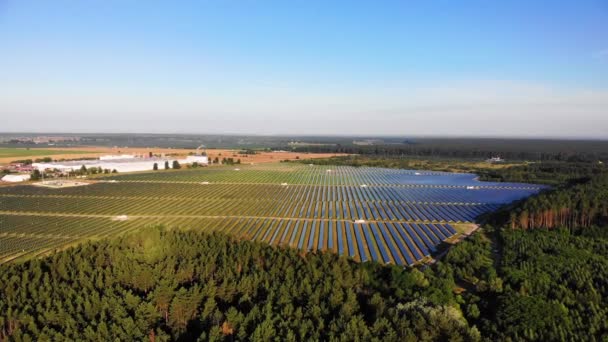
(173, 285)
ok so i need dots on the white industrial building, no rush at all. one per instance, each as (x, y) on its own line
(124, 163)
(201, 160)
(16, 178)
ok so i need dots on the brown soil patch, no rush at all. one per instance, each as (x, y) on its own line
(266, 157)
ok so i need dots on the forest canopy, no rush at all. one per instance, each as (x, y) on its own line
(176, 285)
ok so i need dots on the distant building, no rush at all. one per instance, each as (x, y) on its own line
(16, 178)
(20, 167)
(495, 160)
(368, 142)
(123, 163)
(201, 160)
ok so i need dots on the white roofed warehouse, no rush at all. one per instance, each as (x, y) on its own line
(16, 178)
(125, 163)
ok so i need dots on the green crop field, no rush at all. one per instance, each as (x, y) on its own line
(392, 216)
(25, 152)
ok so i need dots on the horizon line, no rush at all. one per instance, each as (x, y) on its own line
(306, 135)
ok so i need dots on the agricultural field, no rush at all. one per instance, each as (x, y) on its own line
(8, 155)
(23, 153)
(385, 215)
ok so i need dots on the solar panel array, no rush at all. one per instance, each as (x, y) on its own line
(385, 215)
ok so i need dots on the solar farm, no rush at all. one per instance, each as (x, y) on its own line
(385, 215)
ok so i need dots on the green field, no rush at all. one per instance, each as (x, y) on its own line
(313, 208)
(38, 152)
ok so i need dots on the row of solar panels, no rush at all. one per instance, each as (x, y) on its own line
(408, 194)
(383, 211)
(386, 242)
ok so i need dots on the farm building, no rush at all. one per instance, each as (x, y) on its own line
(126, 164)
(20, 167)
(201, 160)
(495, 160)
(16, 178)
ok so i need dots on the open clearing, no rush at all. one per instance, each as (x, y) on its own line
(386, 215)
(60, 183)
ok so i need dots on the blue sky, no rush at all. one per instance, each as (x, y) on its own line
(512, 68)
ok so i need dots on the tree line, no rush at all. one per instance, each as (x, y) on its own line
(542, 172)
(548, 172)
(510, 149)
(580, 203)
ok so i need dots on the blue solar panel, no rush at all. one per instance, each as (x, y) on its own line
(285, 231)
(450, 229)
(429, 244)
(321, 244)
(330, 242)
(417, 240)
(259, 230)
(402, 248)
(353, 213)
(304, 228)
(276, 232)
(267, 229)
(370, 242)
(339, 235)
(360, 244)
(387, 239)
(429, 233)
(349, 240)
(436, 228)
(311, 239)
(378, 238)
(294, 233)
(411, 244)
